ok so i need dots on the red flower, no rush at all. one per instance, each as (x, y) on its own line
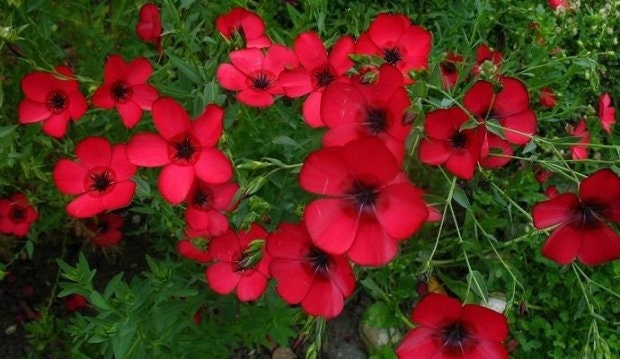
(16, 215)
(449, 71)
(186, 149)
(370, 204)
(124, 87)
(148, 27)
(485, 53)
(359, 109)
(499, 151)
(582, 231)
(606, 112)
(557, 4)
(101, 178)
(106, 229)
(447, 144)
(542, 175)
(306, 275)
(547, 98)
(75, 302)
(445, 329)
(195, 246)
(241, 263)
(552, 192)
(51, 99)
(245, 23)
(317, 70)
(580, 150)
(254, 74)
(205, 204)
(510, 106)
(399, 43)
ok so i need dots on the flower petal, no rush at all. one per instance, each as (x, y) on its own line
(170, 118)
(207, 128)
(311, 110)
(230, 77)
(332, 227)
(484, 323)
(32, 111)
(599, 245)
(213, 166)
(130, 113)
(437, 311)
(293, 279)
(222, 277)
(479, 98)
(251, 286)
(554, 211)
(563, 244)
(323, 299)
(144, 96)
(175, 182)
(400, 210)
(310, 50)
(372, 245)
(147, 150)
(69, 176)
(325, 172)
(120, 196)
(94, 152)
(419, 343)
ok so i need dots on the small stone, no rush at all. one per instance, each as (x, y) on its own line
(283, 353)
(10, 330)
(375, 338)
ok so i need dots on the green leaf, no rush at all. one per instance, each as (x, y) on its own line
(476, 282)
(6, 130)
(380, 315)
(460, 197)
(531, 146)
(186, 69)
(98, 301)
(123, 340)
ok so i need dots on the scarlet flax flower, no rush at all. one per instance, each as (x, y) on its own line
(582, 230)
(606, 112)
(195, 246)
(124, 87)
(106, 229)
(369, 204)
(359, 109)
(186, 149)
(446, 144)
(149, 27)
(579, 151)
(75, 302)
(205, 204)
(241, 263)
(244, 23)
(446, 329)
(485, 54)
(101, 177)
(317, 71)
(547, 98)
(307, 275)
(449, 70)
(53, 99)
(254, 73)
(16, 215)
(397, 41)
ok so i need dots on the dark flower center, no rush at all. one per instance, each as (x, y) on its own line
(57, 102)
(202, 198)
(17, 213)
(392, 56)
(448, 67)
(103, 226)
(454, 337)
(588, 215)
(121, 92)
(376, 120)
(184, 148)
(319, 260)
(261, 81)
(458, 140)
(364, 195)
(100, 181)
(324, 77)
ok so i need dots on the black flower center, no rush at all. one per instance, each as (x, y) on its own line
(324, 77)
(458, 140)
(121, 92)
(201, 198)
(103, 226)
(57, 102)
(454, 337)
(184, 149)
(101, 181)
(261, 81)
(448, 67)
(364, 195)
(588, 215)
(319, 260)
(376, 120)
(17, 213)
(392, 56)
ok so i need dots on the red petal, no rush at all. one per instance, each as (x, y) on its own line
(289, 242)
(342, 275)
(400, 210)
(231, 78)
(386, 30)
(85, 205)
(255, 98)
(293, 279)
(207, 128)
(217, 223)
(323, 299)
(198, 219)
(144, 96)
(606, 112)
(370, 161)
(312, 110)
(434, 152)
(520, 127)
(226, 247)
(170, 118)
(512, 99)
(222, 277)
(331, 227)
(563, 244)
(115, 69)
(479, 98)
(366, 46)
(602, 188)
(278, 58)
(248, 61)
(296, 82)
(121, 166)
(341, 104)
(38, 85)
(147, 150)
(138, 71)
(462, 163)
(339, 55)
(94, 152)
(32, 111)
(599, 245)
(310, 50)
(437, 311)
(102, 97)
(442, 124)
(372, 245)
(130, 113)
(223, 195)
(487, 350)
(120, 197)
(251, 286)
(69, 176)
(325, 172)
(255, 232)
(213, 166)
(175, 182)
(554, 211)
(500, 155)
(56, 125)
(484, 323)
(417, 43)
(421, 342)
(77, 105)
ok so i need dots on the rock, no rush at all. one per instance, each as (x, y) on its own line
(283, 353)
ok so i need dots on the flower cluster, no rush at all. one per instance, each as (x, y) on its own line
(16, 215)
